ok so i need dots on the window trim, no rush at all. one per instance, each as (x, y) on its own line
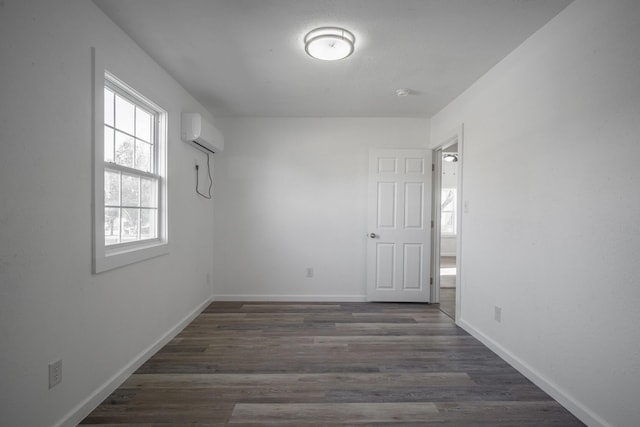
(115, 256)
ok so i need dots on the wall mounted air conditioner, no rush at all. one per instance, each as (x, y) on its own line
(200, 133)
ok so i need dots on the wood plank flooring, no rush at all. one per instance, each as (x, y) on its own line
(294, 364)
(448, 287)
(448, 301)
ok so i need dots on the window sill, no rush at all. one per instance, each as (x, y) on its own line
(119, 257)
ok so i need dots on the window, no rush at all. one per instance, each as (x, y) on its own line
(130, 175)
(448, 210)
(130, 205)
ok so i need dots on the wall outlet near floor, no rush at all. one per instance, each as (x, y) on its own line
(308, 272)
(55, 373)
(497, 314)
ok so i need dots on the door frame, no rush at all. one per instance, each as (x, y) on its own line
(456, 135)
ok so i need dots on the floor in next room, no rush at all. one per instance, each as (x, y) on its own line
(448, 281)
(293, 364)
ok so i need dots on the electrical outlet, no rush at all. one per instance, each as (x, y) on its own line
(309, 272)
(497, 314)
(55, 373)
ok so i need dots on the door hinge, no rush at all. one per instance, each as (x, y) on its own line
(431, 280)
(433, 167)
(431, 223)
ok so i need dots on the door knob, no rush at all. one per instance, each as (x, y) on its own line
(373, 235)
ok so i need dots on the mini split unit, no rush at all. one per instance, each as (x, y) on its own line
(200, 133)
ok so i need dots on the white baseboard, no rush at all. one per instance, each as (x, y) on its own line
(85, 407)
(552, 389)
(292, 298)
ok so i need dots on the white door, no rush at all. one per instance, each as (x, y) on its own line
(399, 234)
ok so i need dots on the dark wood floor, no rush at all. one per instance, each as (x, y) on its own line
(292, 364)
(448, 287)
(448, 302)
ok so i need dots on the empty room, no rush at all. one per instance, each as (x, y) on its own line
(329, 212)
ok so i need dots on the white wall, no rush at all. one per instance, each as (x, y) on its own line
(448, 245)
(552, 235)
(291, 194)
(51, 306)
(449, 174)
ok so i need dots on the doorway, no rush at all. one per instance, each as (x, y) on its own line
(447, 160)
(448, 229)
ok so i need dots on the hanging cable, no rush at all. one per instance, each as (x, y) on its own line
(210, 179)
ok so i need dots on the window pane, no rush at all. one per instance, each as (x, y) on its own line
(130, 223)
(111, 188)
(131, 198)
(124, 150)
(111, 226)
(143, 156)
(448, 223)
(108, 144)
(108, 106)
(143, 125)
(130, 190)
(124, 115)
(148, 221)
(448, 198)
(448, 210)
(148, 191)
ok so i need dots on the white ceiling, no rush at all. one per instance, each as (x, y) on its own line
(246, 57)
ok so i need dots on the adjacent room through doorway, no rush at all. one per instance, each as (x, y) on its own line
(448, 232)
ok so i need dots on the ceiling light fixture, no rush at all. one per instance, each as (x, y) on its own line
(329, 43)
(450, 157)
(403, 92)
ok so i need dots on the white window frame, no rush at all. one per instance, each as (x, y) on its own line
(118, 255)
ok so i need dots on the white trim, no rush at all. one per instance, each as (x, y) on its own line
(85, 407)
(460, 209)
(292, 298)
(106, 258)
(119, 257)
(436, 195)
(548, 386)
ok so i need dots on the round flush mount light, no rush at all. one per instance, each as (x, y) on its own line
(450, 157)
(403, 92)
(329, 43)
